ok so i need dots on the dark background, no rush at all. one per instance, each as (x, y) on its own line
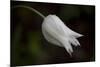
(28, 46)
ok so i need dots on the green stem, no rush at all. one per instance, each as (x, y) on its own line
(32, 9)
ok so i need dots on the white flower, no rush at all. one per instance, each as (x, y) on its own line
(57, 33)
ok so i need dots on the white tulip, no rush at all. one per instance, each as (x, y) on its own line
(57, 33)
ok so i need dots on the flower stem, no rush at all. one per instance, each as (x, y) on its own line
(32, 9)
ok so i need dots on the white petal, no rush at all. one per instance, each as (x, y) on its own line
(50, 38)
(67, 45)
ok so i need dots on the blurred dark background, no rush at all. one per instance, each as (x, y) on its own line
(28, 46)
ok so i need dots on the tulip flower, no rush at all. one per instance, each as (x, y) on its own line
(56, 32)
